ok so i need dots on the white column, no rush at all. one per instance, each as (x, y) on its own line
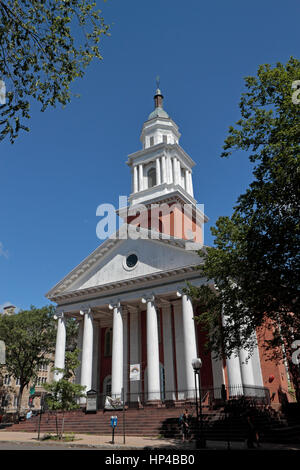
(234, 376)
(189, 339)
(256, 366)
(178, 172)
(87, 350)
(158, 176)
(60, 348)
(152, 351)
(125, 352)
(163, 168)
(117, 351)
(169, 170)
(135, 179)
(191, 184)
(175, 170)
(246, 368)
(187, 181)
(141, 177)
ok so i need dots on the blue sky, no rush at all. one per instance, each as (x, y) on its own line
(53, 178)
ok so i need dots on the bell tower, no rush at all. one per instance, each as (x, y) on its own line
(162, 171)
(162, 166)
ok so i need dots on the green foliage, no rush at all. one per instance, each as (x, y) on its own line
(68, 437)
(253, 268)
(29, 338)
(63, 394)
(44, 46)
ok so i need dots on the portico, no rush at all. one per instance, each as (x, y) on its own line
(154, 307)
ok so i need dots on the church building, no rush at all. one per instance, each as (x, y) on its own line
(137, 333)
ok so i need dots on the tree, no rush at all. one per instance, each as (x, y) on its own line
(253, 269)
(30, 338)
(63, 394)
(44, 46)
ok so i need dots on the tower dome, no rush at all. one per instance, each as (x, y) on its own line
(158, 111)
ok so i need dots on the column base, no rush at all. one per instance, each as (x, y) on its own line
(135, 405)
(154, 403)
(179, 403)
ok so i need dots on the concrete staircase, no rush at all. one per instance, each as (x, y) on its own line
(164, 422)
(145, 422)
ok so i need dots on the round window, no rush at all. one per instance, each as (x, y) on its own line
(131, 260)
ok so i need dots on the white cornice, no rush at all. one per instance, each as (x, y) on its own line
(173, 193)
(101, 251)
(145, 154)
(173, 275)
(160, 123)
(160, 120)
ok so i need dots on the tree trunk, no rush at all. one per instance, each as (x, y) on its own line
(20, 400)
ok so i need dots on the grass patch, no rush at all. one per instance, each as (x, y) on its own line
(67, 437)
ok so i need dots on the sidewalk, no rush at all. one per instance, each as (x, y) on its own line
(132, 442)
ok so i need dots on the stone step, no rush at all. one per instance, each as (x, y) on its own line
(146, 422)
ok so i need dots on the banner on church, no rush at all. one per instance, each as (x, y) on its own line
(135, 372)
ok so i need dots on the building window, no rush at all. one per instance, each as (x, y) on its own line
(41, 380)
(151, 177)
(165, 139)
(151, 141)
(7, 379)
(131, 260)
(108, 342)
(18, 381)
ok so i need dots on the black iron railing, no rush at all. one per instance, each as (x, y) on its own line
(209, 397)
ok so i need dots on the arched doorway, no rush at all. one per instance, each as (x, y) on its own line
(106, 388)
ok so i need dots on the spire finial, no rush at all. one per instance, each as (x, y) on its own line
(158, 98)
(157, 81)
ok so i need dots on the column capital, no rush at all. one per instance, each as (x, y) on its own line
(85, 310)
(116, 304)
(58, 316)
(148, 298)
(181, 294)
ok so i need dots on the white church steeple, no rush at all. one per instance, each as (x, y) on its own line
(162, 167)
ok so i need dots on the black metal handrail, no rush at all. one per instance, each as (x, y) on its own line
(260, 395)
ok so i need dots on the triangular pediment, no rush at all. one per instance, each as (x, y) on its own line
(108, 263)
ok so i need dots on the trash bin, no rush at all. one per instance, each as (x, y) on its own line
(91, 401)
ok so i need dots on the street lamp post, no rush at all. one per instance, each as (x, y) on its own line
(200, 440)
